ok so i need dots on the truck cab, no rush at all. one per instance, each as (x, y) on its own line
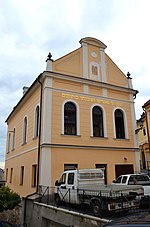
(66, 187)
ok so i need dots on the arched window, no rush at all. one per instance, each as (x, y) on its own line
(36, 122)
(8, 149)
(25, 130)
(119, 124)
(13, 141)
(70, 126)
(97, 114)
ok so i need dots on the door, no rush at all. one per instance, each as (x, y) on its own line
(123, 169)
(67, 191)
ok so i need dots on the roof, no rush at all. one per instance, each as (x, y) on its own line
(146, 104)
(93, 41)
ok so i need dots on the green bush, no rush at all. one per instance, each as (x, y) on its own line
(8, 198)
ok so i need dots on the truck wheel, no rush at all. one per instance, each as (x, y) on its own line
(57, 200)
(96, 207)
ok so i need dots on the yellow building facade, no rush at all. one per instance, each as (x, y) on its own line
(79, 113)
(143, 131)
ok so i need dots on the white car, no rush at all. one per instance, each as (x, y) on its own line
(130, 179)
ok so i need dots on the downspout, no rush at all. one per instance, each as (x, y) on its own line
(39, 141)
(38, 161)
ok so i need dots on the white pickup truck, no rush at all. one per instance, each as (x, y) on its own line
(87, 186)
(134, 179)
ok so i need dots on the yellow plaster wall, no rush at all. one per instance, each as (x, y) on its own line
(67, 85)
(26, 160)
(114, 74)
(93, 90)
(70, 63)
(23, 155)
(87, 158)
(85, 104)
(28, 109)
(118, 95)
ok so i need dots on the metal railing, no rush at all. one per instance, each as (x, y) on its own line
(47, 195)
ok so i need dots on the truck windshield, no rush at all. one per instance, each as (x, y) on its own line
(119, 179)
(62, 179)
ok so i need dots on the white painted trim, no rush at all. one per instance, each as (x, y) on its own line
(90, 82)
(78, 115)
(24, 131)
(22, 153)
(85, 60)
(93, 76)
(46, 173)
(47, 111)
(103, 65)
(86, 89)
(104, 119)
(8, 142)
(104, 92)
(49, 65)
(34, 129)
(130, 83)
(14, 138)
(125, 122)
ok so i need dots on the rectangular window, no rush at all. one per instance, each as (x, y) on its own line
(70, 166)
(34, 173)
(6, 174)
(11, 175)
(21, 175)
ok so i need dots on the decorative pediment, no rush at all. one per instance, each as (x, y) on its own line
(93, 41)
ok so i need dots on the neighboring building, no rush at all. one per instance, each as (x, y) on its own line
(143, 130)
(2, 180)
(79, 113)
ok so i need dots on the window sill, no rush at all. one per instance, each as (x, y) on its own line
(70, 135)
(35, 138)
(24, 144)
(98, 137)
(121, 139)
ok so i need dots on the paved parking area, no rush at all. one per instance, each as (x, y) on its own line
(139, 216)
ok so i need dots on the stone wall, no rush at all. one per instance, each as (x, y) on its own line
(39, 214)
(13, 216)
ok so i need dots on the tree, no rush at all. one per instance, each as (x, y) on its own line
(8, 198)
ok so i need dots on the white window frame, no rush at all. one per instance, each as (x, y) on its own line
(93, 76)
(104, 120)
(35, 122)
(77, 115)
(8, 144)
(125, 122)
(25, 129)
(14, 138)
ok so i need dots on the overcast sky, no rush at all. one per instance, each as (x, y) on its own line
(30, 29)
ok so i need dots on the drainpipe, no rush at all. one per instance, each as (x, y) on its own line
(39, 141)
(38, 161)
